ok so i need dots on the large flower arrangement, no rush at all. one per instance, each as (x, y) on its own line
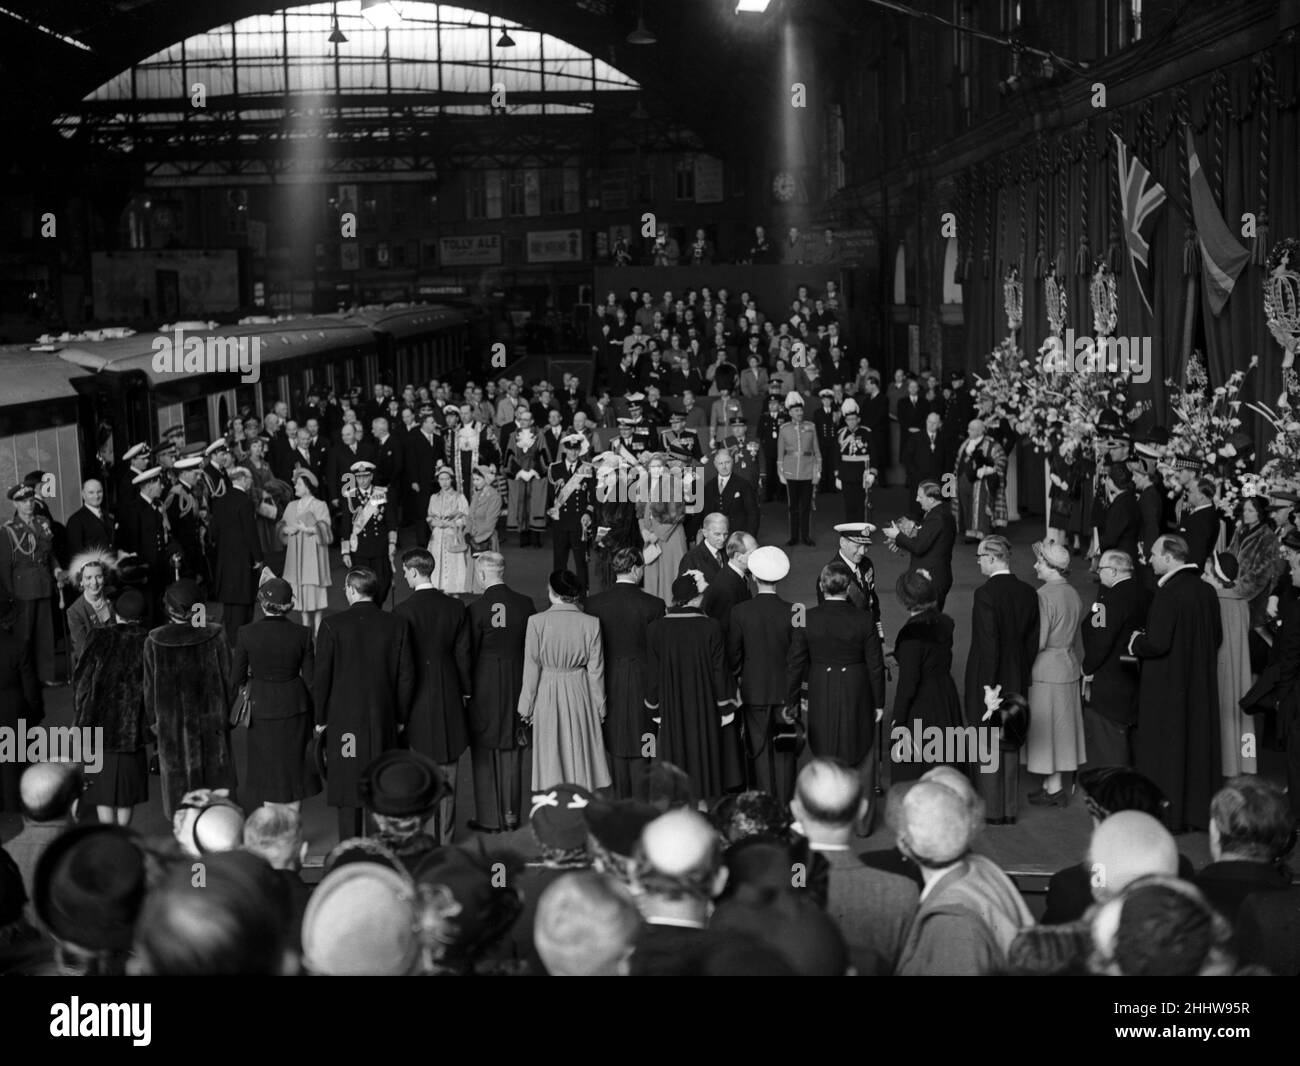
(1282, 470)
(1002, 391)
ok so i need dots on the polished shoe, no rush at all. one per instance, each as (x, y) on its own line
(1043, 798)
(995, 821)
(791, 543)
(810, 542)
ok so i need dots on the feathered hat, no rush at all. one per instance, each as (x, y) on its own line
(101, 556)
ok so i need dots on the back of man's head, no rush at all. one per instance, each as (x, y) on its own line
(585, 927)
(274, 832)
(231, 922)
(47, 790)
(679, 857)
(363, 583)
(934, 825)
(1126, 846)
(828, 799)
(1251, 821)
(951, 777)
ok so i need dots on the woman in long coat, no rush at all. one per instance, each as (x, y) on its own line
(563, 694)
(661, 514)
(1055, 744)
(926, 690)
(108, 694)
(304, 530)
(447, 517)
(484, 513)
(1221, 571)
(274, 658)
(1259, 559)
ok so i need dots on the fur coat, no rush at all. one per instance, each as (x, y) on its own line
(187, 700)
(108, 686)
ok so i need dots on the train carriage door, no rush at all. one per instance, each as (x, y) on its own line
(221, 409)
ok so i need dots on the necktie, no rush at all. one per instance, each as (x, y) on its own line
(722, 558)
(722, 486)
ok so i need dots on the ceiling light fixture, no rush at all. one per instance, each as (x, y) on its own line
(505, 41)
(641, 35)
(336, 35)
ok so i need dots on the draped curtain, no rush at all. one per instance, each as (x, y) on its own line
(1037, 201)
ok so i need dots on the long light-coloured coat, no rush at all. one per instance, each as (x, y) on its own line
(564, 694)
(1055, 697)
(1234, 682)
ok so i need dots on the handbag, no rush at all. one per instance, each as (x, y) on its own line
(650, 553)
(1264, 695)
(241, 708)
(524, 735)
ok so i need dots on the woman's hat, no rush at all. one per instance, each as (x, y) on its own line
(1225, 566)
(275, 593)
(181, 596)
(489, 473)
(129, 606)
(684, 589)
(89, 557)
(89, 885)
(306, 475)
(1055, 555)
(399, 784)
(362, 921)
(565, 584)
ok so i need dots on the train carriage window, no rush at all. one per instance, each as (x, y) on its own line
(195, 417)
(270, 394)
(246, 400)
(223, 416)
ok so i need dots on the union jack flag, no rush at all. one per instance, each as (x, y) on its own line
(1140, 197)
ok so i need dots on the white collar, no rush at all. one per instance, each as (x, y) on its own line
(679, 923)
(1166, 577)
(423, 585)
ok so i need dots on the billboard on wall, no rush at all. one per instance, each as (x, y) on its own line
(555, 246)
(193, 283)
(482, 249)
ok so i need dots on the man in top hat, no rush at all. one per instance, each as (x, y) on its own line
(930, 543)
(573, 508)
(187, 699)
(799, 467)
(371, 538)
(236, 552)
(136, 460)
(28, 571)
(142, 531)
(363, 689)
(854, 473)
(437, 725)
(758, 643)
(181, 506)
(402, 790)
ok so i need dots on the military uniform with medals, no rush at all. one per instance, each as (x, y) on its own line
(27, 576)
(855, 460)
(183, 509)
(769, 429)
(744, 453)
(373, 524)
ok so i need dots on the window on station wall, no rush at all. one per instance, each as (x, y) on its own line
(483, 194)
(951, 283)
(900, 275)
(370, 256)
(684, 177)
(560, 191)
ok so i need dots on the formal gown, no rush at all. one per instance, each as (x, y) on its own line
(447, 543)
(564, 694)
(307, 556)
(1234, 682)
(1055, 697)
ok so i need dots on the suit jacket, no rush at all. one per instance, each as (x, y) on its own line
(275, 657)
(234, 533)
(862, 592)
(1227, 884)
(701, 558)
(84, 530)
(739, 502)
(1268, 931)
(1004, 641)
(1151, 517)
(758, 642)
(498, 629)
(926, 462)
(726, 589)
(1201, 530)
(625, 613)
(932, 545)
(1122, 529)
(437, 724)
(422, 460)
(1118, 611)
(912, 416)
(363, 686)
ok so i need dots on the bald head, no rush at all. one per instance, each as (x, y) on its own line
(680, 855)
(1126, 846)
(828, 800)
(934, 825)
(48, 789)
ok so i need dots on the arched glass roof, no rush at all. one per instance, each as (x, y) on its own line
(436, 49)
